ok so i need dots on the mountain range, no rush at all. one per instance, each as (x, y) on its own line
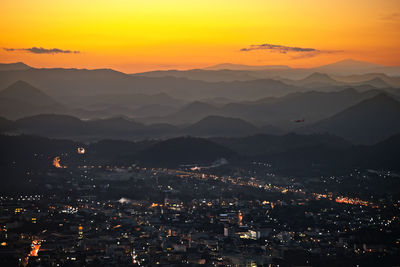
(371, 120)
(355, 100)
(289, 154)
(343, 113)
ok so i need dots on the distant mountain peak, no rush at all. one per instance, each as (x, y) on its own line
(351, 63)
(198, 104)
(383, 97)
(20, 87)
(378, 83)
(368, 121)
(318, 77)
(213, 125)
(13, 66)
(25, 92)
(231, 66)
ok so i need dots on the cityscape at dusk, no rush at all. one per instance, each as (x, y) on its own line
(200, 133)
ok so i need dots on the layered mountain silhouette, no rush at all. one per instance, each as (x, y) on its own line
(369, 121)
(81, 82)
(263, 144)
(290, 154)
(13, 66)
(23, 91)
(343, 98)
(317, 79)
(221, 126)
(22, 99)
(348, 66)
(65, 126)
(184, 150)
(223, 75)
(311, 106)
(230, 66)
(360, 78)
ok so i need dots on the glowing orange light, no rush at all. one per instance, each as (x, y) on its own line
(56, 162)
(35, 248)
(352, 201)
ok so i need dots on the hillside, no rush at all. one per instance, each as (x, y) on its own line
(221, 126)
(22, 99)
(369, 121)
(183, 151)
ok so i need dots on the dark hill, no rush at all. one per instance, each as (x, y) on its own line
(369, 121)
(264, 144)
(22, 99)
(6, 125)
(50, 124)
(221, 126)
(184, 150)
(13, 66)
(24, 92)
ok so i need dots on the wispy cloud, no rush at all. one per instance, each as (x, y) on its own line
(391, 17)
(41, 50)
(298, 52)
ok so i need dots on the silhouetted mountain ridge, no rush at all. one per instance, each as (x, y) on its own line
(369, 121)
(221, 126)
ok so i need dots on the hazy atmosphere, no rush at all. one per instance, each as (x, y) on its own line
(190, 133)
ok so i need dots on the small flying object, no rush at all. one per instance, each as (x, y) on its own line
(297, 121)
(81, 150)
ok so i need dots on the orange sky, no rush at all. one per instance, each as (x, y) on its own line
(133, 35)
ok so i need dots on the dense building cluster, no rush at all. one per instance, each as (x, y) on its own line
(139, 216)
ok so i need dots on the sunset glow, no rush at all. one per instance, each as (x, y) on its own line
(133, 36)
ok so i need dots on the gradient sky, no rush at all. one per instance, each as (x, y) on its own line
(133, 35)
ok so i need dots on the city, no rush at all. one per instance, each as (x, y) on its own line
(124, 215)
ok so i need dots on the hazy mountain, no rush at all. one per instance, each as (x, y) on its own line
(190, 113)
(230, 66)
(76, 83)
(13, 66)
(182, 151)
(24, 92)
(377, 83)
(65, 126)
(221, 126)
(264, 144)
(273, 111)
(223, 75)
(350, 66)
(310, 106)
(51, 125)
(369, 121)
(153, 110)
(6, 125)
(383, 155)
(392, 81)
(324, 82)
(22, 99)
(114, 125)
(344, 67)
(317, 79)
(129, 101)
(290, 154)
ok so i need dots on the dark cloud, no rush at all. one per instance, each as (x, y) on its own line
(41, 50)
(278, 48)
(299, 52)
